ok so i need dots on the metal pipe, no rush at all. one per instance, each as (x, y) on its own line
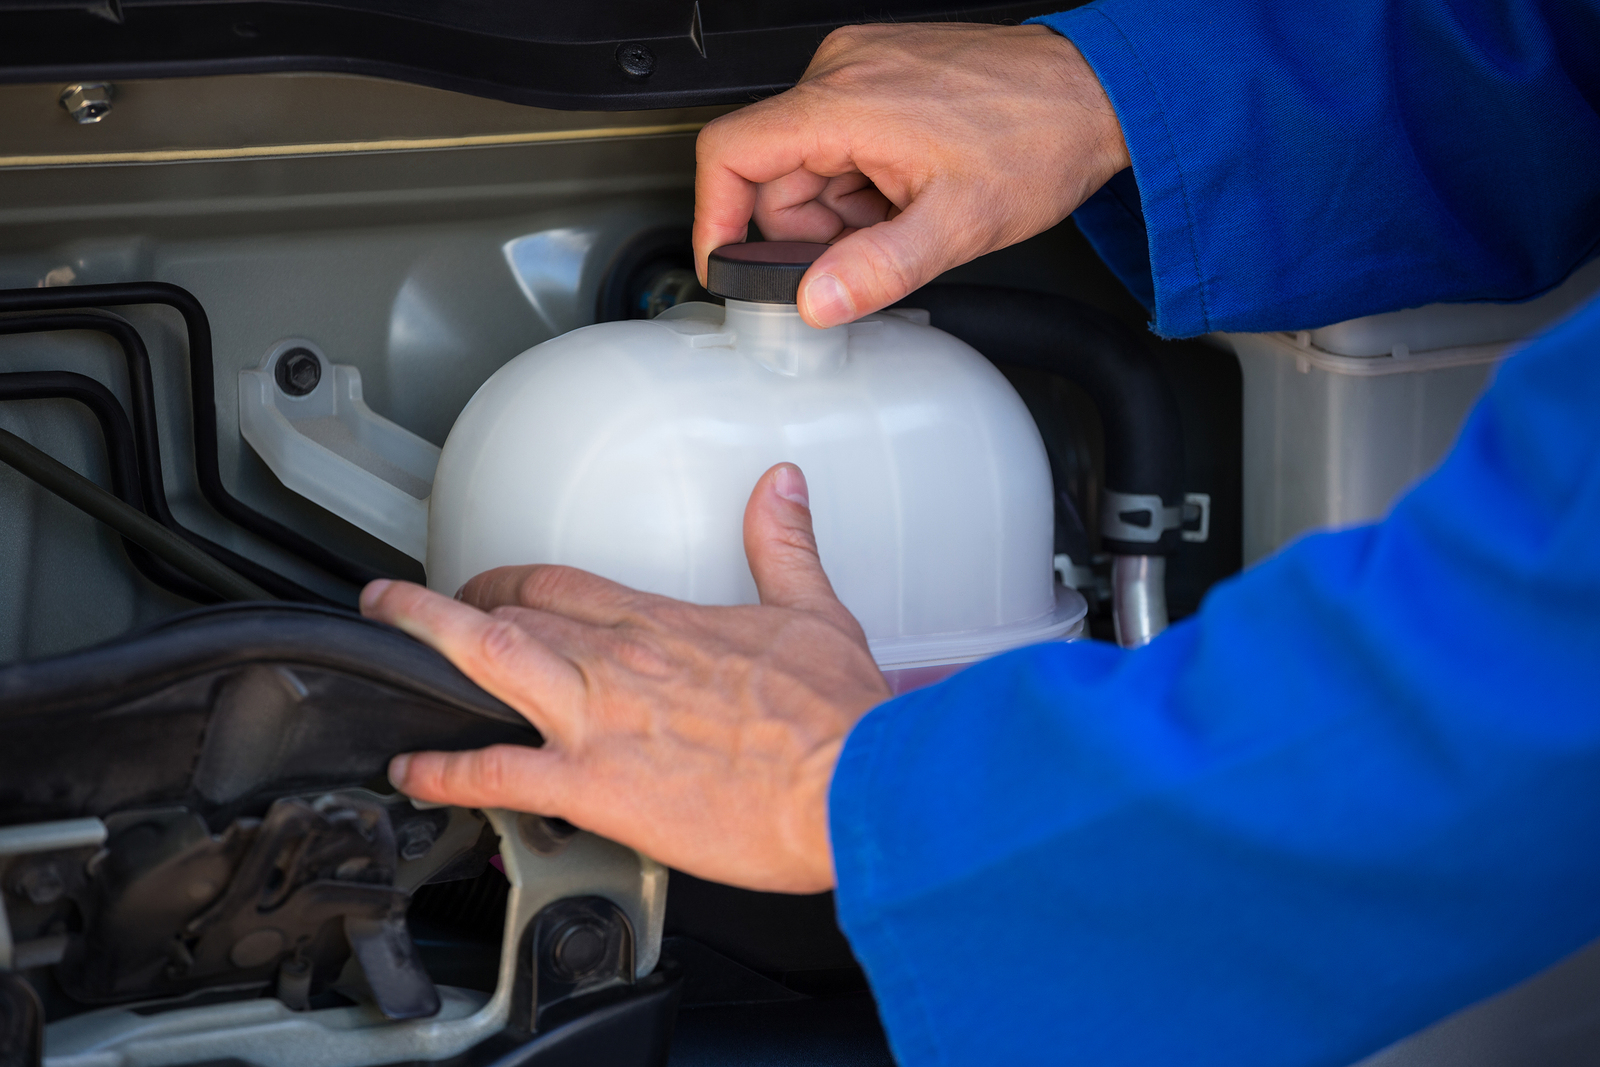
(1138, 598)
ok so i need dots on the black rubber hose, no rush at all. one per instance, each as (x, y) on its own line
(141, 390)
(202, 387)
(120, 456)
(1138, 409)
(135, 525)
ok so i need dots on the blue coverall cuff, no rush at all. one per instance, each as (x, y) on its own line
(864, 870)
(1176, 283)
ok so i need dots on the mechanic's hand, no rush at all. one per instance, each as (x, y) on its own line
(704, 736)
(915, 148)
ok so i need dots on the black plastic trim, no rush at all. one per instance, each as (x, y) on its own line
(555, 56)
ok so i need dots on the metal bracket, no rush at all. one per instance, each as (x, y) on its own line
(40, 837)
(275, 1036)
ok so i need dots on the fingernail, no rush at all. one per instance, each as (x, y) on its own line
(397, 771)
(374, 590)
(790, 484)
(828, 301)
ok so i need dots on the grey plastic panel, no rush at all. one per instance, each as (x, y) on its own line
(390, 261)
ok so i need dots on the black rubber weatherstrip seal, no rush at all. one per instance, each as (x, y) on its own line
(120, 457)
(202, 382)
(1096, 351)
(229, 707)
(147, 451)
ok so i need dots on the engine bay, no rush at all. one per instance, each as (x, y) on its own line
(201, 860)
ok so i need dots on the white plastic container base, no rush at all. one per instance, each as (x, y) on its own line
(630, 449)
(943, 655)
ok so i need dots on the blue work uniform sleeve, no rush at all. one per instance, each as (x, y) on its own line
(1296, 165)
(1358, 790)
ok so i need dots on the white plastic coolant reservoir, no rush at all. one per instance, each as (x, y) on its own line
(630, 449)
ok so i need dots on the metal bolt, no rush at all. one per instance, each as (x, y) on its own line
(545, 836)
(87, 101)
(416, 838)
(42, 884)
(579, 948)
(298, 371)
(636, 60)
(294, 983)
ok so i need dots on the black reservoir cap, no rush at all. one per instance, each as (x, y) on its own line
(765, 272)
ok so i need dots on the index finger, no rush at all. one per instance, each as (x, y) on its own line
(543, 687)
(739, 152)
(576, 594)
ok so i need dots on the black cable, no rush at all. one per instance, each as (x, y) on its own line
(135, 525)
(202, 387)
(141, 389)
(120, 456)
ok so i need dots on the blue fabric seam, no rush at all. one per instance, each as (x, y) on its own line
(1181, 181)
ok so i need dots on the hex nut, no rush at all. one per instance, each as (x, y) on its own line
(298, 371)
(87, 102)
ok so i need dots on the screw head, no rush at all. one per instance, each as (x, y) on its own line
(298, 371)
(87, 102)
(636, 60)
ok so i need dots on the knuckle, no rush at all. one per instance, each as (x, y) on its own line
(796, 538)
(428, 775)
(546, 582)
(501, 641)
(640, 655)
(889, 263)
(489, 771)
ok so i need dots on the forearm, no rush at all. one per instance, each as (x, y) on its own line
(1351, 795)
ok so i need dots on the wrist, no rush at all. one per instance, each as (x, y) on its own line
(1089, 109)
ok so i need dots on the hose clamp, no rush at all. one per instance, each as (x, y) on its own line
(1139, 518)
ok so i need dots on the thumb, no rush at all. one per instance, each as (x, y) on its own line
(879, 264)
(782, 549)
